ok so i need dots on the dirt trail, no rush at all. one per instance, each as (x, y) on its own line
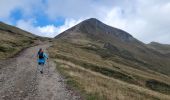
(19, 79)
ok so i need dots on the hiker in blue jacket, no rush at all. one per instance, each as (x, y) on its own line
(42, 57)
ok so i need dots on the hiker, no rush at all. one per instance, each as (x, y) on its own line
(42, 57)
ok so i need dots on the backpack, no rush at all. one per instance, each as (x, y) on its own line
(41, 55)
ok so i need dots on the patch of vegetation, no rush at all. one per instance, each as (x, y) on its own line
(127, 55)
(111, 48)
(73, 84)
(104, 53)
(88, 96)
(4, 48)
(109, 72)
(95, 96)
(109, 51)
(158, 86)
(9, 48)
(103, 70)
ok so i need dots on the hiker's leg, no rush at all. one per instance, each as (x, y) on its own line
(39, 67)
(43, 66)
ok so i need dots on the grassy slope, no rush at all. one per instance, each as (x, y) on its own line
(13, 40)
(100, 77)
(163, 48)
(121, 44)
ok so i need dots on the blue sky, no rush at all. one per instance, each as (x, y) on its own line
(146, 20)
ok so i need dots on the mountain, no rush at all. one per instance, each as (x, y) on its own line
(163, 48)
(129, 48)
(13, 40)
(96, 30)
(96, 58)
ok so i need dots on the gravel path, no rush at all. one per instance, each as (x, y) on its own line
(20, 80)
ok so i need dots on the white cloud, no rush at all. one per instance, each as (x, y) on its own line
(28, 7)
(68, 24)
(146, 20)
(70, 8)
(52, 31)
(6, 6)
(48, 30)
(154, 14)
(28, 26)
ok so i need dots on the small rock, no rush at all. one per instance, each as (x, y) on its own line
(21, 91)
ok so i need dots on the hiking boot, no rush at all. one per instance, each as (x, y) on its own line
(41, 72)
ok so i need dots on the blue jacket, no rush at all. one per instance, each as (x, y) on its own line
(44, 59)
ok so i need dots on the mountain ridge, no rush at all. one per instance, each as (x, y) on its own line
(15, 30)
(94, 56)
(14, 39)
(95, 32)
(162, 48)
(94, 27)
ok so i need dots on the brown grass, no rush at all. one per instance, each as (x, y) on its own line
(105, 87)
(12, 43)
(79, 65)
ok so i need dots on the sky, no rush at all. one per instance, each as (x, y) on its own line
(146, 20)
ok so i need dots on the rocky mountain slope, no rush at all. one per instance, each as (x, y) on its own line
(107, 63)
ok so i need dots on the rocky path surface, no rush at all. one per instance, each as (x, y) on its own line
(20, 80)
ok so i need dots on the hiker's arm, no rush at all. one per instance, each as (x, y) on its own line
(46, 56)
(37, 56)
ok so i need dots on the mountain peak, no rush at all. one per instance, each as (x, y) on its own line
(97, 30)
(92, 20)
